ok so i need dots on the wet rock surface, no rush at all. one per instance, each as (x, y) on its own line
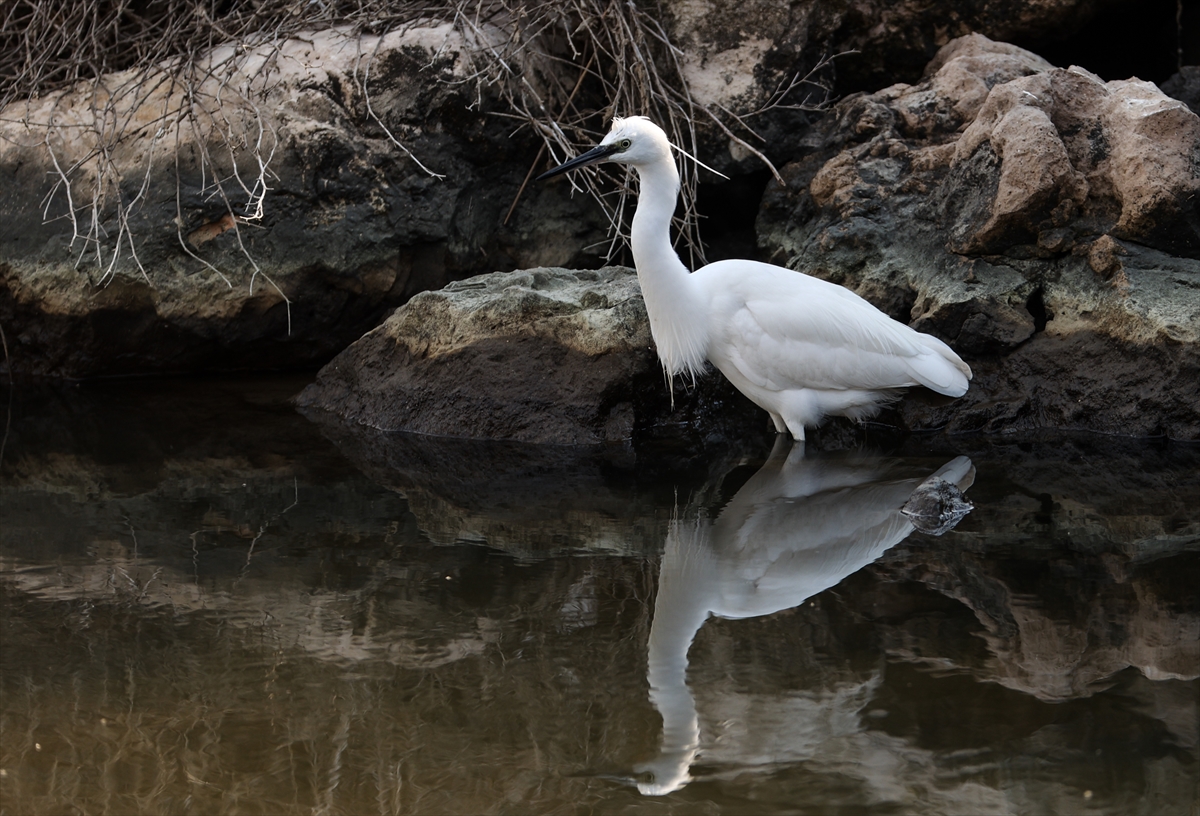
(1041, 221)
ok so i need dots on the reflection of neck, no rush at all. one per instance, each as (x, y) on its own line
(679, 612)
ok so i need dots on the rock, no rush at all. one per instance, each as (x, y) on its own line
(748, 57)
(740, 56)
(1041, 221)
(543, 355)
(294, 208)
(897, 40)
(1185, 86)
(342, 224)
(1066, 156)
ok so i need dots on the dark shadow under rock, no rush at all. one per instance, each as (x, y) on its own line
(521, 497)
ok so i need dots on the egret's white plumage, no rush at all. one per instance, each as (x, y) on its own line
(800, 347)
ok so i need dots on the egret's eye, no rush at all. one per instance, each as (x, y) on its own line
(624, 144)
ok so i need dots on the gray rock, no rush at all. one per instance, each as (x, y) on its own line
(1185, 86)
(544, 355)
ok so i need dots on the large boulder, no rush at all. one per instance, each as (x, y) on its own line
(543, 355)
(1042, 221)
(262, 217)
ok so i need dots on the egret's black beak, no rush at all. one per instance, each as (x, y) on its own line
(596, 154)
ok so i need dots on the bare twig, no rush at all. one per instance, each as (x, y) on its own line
(630, 67)
(210, 66)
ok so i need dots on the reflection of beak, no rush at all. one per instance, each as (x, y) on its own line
(596, 154)
(666, 774)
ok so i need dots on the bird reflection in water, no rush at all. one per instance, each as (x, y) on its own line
(796, 528)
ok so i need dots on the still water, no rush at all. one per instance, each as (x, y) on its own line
(211, 604)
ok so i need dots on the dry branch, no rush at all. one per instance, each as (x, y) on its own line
(561, 68)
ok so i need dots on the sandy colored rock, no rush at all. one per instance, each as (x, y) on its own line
(1041, 221)
(1081, 155)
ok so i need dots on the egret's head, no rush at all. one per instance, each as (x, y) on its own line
(634, 140)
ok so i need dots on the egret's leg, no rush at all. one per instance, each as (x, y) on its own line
(780, 425)
(800, 408)
(797, 429)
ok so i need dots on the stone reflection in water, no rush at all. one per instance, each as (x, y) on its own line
(799, 526)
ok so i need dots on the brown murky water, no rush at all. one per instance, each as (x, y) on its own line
(213, 605)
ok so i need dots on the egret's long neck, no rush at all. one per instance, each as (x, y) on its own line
(678, 318)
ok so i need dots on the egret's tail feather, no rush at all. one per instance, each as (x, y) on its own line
(941, 370)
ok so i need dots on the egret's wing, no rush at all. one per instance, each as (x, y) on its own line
(781, 329)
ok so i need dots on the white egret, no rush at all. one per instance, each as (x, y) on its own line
(798, 346)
